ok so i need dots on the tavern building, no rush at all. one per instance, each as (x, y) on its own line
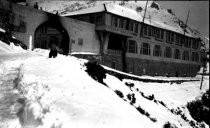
(150, 48)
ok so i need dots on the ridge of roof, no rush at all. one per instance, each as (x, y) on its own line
(127, 13)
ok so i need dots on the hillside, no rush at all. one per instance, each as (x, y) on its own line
(155, 12)
(64, 92)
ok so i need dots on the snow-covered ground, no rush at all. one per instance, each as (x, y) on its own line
(41, 92)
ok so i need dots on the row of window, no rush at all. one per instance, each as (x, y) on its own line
(157, 51)
(158, 33)
(171, 37)
(124, 23)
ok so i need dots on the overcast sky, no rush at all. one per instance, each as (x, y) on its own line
(199, 13)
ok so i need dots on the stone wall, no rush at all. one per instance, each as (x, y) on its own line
(151, 67)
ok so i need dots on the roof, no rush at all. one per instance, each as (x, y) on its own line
(127, 13)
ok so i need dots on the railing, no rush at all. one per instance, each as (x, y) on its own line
(113, 52)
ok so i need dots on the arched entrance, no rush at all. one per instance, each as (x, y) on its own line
(46, 31)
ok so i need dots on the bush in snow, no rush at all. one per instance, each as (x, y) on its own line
(119, 93)
(170, 11)
(199, 109)
(130, 85)
(154, 5)
(96, 71)
(139, 9)
(131, 98)
(169, 125)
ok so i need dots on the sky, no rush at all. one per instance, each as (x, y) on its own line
(199, 13)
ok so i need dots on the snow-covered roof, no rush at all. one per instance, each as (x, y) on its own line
(128, 13)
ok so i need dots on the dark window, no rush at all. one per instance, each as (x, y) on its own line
(177, 54)
(130, 67)
(80, 41)
(145, 49)
(114, 21)
(132, 46)
(168, 52)
(187, 42)
(159, 34)
(120, 22)
(131, 26)
(157, 50)
(195, 44)
(185, 55)
(136, 28)
(99, 20)
(124, 23)
(178, 40)
(195, 56)
(147, 30)
(169, 37)
(92, 19)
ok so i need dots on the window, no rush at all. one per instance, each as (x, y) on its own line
(92, 19)
(157, 50)
(145, 49)
(177, 54)
(159, 34)
(195, 44)
(80, 41)
(114, 21)
(124, 23)
(132, 46)
(169, 37)
(136, 28)
(120, 22)
(147, 30)
(195, 56)
(178, 40)
(185, 55)
(131, 26)
(99, 20)
(168, 52)
(187, 42)
(130, 67)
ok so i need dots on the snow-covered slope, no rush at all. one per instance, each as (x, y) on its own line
(40, 92)
(155, 12)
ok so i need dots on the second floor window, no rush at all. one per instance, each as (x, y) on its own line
(169, 37)
(114, 21)
(177, 54)
(136, 27)
(145, 49)
(185, 55)
(159, 34)
(99, 20)
(187, 42)
(132, 46)
(178, 40)
(157, 50)
(195, 44)
(147, 30)
(131, 24)
(168, 52)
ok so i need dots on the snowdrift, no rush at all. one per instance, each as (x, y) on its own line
(59, 93)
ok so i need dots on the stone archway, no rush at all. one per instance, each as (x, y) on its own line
(50, 28)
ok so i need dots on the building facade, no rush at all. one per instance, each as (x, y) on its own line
(129, 45)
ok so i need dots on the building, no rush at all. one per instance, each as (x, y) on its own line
(152, 48)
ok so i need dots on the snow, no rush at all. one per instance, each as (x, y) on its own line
(57, 92)
(131, 14)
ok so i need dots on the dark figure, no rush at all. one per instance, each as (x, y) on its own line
(36, 5)
(53, 47)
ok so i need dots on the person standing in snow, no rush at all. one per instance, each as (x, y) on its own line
(53, 47)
